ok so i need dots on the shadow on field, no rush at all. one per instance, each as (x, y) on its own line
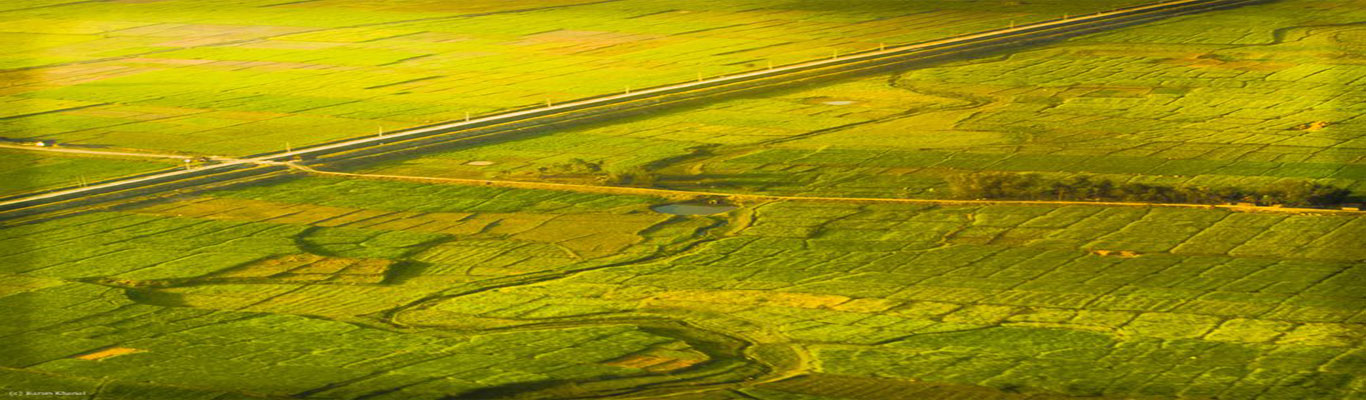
(400, 272)
(731, 360)
(156, 297)
(556, 389)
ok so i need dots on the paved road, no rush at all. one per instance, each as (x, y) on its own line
(964, 43)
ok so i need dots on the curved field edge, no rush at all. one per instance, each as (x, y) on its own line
(423, 301)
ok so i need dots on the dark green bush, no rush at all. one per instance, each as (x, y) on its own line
(1004, 185)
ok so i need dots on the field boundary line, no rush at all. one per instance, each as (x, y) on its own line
(689, 194)
(96, 152)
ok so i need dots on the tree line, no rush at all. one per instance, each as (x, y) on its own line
(1029, 186)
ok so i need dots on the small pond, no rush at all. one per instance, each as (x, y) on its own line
(693, 208)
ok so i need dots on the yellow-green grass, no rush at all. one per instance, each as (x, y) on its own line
(25, 171)
(418, 291)
(1114, 302)
(1223, 99)
(348, 69)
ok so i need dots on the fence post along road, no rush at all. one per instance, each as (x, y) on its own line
(520, 121)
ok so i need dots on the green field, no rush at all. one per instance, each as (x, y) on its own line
(367, 287)
(402, 290)
(1226, 99)
(247, 76)
(25, 171)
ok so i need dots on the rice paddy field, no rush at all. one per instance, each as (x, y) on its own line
(369, 287)
(24, 171)
(248, 76)
(1241, 97)
(339, 288)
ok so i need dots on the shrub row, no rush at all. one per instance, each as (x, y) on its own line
(1004, 185)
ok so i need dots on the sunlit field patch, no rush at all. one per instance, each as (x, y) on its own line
(253, 278)
(350, 287)
(1174, 103)
(350, 67)
(25, 171)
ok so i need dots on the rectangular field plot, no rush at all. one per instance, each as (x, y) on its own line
(27, 171)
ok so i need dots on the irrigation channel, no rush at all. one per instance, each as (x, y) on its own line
(739, 353)
(750, 355)
(529, 120)
(733, 358)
